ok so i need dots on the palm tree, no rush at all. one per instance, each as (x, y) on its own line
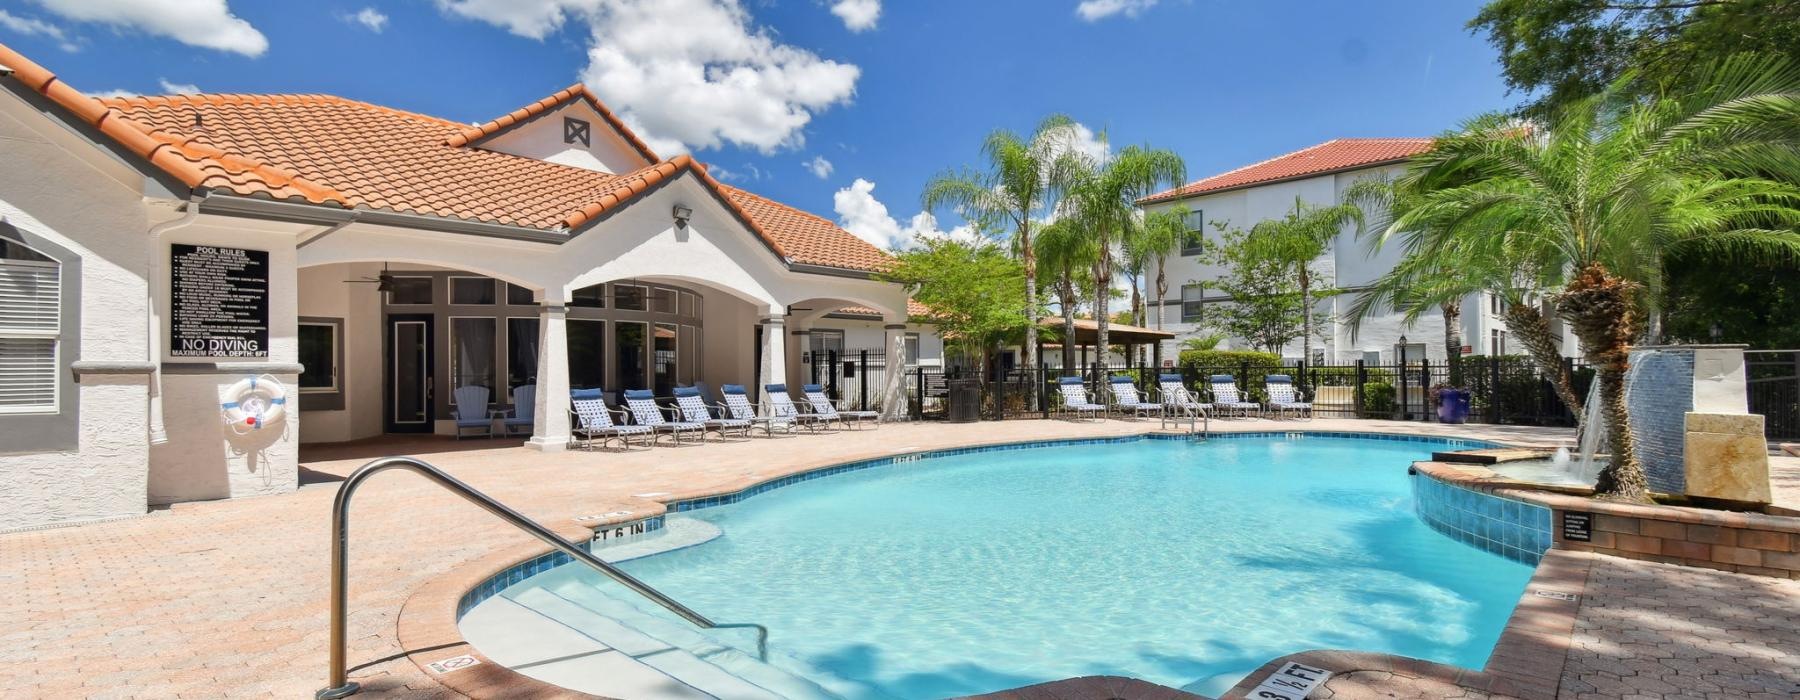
(1065, 250)
(1298, 239)
(1021, 182)
(1103, 198)
(1610, 186)
(1152, 239)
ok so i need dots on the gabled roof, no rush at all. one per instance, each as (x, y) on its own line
(475, 134)
(1336, 155)
(332, 151)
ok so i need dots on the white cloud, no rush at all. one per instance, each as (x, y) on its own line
(111, 94)
(860, 213)
(818, 166)
(1096, 10)
(749, 172)
(858, 15)
(31, 26)
(1083, 140)
(177, 88)
(368, 17)
(204, 23)
(687, 74)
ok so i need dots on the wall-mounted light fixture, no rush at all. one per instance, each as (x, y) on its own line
(682, 214)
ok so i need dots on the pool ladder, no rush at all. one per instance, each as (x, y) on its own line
(341, 686)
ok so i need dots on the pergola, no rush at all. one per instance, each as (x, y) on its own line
(1087, 334)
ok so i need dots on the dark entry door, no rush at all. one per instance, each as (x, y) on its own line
(409, 372)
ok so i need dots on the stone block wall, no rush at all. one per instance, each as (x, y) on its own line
(1660, 393)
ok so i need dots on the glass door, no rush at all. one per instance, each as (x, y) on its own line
(409, 374)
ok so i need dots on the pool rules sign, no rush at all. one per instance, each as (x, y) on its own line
(219, 301)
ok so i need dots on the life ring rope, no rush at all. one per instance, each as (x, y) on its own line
(254, 402)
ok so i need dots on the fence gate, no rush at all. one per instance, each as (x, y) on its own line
(1773, 385)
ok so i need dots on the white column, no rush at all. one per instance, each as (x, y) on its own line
(774, 352)
(893, 395)
(550, 427)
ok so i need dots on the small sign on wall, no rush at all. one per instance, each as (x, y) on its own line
(1577, 526)
(218, 301)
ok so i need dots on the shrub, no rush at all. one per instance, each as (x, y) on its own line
(1346, 376)
(1233, 359)
(1378, 398)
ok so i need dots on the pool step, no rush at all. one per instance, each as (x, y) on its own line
(531, 643)
(802, 681)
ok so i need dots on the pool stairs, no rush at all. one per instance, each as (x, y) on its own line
(578, 637)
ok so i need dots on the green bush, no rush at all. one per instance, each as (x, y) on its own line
(1378, 398)
(1346, 376)
(1220, 359)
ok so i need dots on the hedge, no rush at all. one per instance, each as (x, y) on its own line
(1213, 359)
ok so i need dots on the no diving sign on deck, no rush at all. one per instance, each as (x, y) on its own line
(1292, 681)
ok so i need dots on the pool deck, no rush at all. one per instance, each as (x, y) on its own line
(228, 598)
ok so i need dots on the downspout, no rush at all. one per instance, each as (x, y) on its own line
(159, 432)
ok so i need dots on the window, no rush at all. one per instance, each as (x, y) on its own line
(471, 290)
(589, 297)
(689, 304)
(410, 290)
(629, 342)
(663, 301)
(664, 359)
(472, 353)
(1191, 304)
(1194, 242)
(912, 348)
(1497, 343)
(518, 296)
(576, 131)
(319, 351)
(521, 352)
(629, 297)
(30, 329)
(824, 342)
(1496, 305)
(587, 354)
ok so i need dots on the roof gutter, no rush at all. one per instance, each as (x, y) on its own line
(830, 271)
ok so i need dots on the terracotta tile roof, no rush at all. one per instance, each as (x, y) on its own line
(333, 151)
(914, 309)
(475, 134)
(1331, 156)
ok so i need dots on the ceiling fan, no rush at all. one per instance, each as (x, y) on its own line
(383, 282)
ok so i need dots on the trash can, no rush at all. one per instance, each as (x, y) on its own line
(965, 400)
(1453, 406)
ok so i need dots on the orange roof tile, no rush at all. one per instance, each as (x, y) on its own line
(474, 134)
(1331, 156)
(914, 309)
(329, 150)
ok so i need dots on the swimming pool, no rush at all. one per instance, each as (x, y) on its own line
(1182, 563)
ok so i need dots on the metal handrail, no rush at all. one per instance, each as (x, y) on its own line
(340, 684)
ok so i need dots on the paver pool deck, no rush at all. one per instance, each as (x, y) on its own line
(227, 599)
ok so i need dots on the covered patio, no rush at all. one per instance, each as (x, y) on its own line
(1087, 336)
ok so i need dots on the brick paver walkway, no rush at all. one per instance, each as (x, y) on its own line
(227, 599)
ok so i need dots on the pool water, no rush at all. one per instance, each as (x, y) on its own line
(1185, 564)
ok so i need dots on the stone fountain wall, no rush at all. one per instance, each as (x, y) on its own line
(1667, 383)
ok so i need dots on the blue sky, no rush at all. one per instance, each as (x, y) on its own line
(888, 92)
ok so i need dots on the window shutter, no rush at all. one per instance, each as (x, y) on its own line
(30, 315)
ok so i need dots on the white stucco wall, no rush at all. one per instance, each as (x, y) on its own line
(58, 188)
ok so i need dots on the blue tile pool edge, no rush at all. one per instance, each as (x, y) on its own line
(1508, 527)
(516, 573)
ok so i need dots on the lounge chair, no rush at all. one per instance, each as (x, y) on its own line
(1286, 399)
(644, 411)
(737, 405)
(1227, 397)
(821, 406)
(593, 419)
(469, 404)
(523, 411)
(1177, 401)
(782, 405)
(1075, 399)
(694, 410)
(1126, 400)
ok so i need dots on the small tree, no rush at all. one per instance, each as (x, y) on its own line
(1267, 308)
(973, 289)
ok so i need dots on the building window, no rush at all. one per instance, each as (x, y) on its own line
(521, 352)
(665, 358)
(587, 354)
(1497, 342)
(30, 329)
(576, 131)
(410, 291)
(629, 297)
(518, 296)
(629, 343)
(825, 342)
(318, 356)
(664, 301)
(912, 349)
(589, 297)
(1191, 304)
(472, 353)
(1194, 241)
(477, 291)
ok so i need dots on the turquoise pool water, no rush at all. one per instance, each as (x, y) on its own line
(1185, 564)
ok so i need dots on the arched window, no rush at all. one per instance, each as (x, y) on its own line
(30, 329)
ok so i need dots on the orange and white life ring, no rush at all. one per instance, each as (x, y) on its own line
(254, 402)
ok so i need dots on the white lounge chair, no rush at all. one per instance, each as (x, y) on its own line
(737, 405)
(1229, 400)
(594, 420)
(644, 411)
(469, 404)
(821, 406)
(1075, 399)
(694, 410)
(1126, 400)
(1285, 399)
(782, 405)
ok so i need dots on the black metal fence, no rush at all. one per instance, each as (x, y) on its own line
(1773, 383)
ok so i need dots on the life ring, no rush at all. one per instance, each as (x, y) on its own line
(254, 402)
